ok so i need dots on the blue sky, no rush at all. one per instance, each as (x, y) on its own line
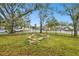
(61, 18)
(35, 18)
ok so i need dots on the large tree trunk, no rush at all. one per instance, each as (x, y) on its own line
(12, 21)
(12, 27)
(40, 26)
(11, 31)
(75, 20)
(75, 28)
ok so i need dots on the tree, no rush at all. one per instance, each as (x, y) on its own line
(28, 23)
(14, 11)
(51, 23)
(71, 10)
(20, 23)
(43, 16)
(43, 13)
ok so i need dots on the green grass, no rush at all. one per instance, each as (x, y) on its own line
(57, 44)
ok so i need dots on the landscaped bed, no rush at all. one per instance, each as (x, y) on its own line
(56, 44)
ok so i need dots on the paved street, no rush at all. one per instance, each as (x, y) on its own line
(65, 32)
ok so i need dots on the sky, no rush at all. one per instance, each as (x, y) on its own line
(61, 18)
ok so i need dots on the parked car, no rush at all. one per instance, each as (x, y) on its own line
(18, 30)
(3, 30)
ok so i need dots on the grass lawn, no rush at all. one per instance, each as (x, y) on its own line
(57, 44)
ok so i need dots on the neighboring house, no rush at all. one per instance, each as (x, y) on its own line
(63, 28)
